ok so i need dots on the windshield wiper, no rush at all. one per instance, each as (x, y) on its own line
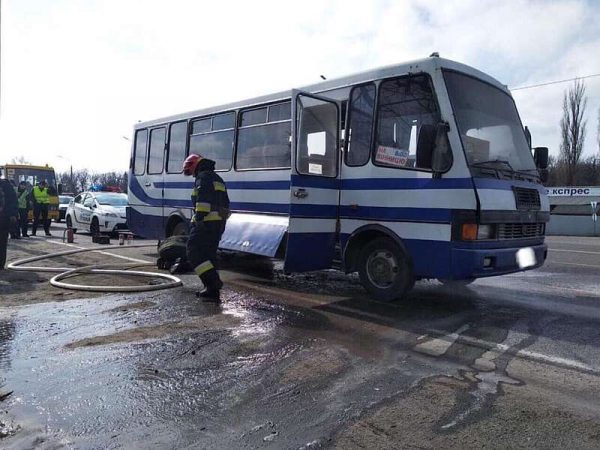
(492, 161)
(485, 164)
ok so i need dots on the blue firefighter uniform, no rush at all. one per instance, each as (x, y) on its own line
(211, 211)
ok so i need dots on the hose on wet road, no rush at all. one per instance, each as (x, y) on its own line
(70, 272)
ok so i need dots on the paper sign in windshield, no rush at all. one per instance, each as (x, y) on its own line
(391, 156)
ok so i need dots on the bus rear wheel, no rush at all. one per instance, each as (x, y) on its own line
(385, 270)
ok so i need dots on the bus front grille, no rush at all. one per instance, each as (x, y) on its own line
(527, 199)
(520, 230)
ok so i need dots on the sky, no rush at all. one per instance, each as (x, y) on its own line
(76, 75)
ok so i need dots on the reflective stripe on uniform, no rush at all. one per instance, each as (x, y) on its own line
(212, 216)
(202, 207)
(203, 268)
(219, 186)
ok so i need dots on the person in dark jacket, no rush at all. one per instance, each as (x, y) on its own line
(23, 203)
(211, 211)
(14, 229)
(8, 216)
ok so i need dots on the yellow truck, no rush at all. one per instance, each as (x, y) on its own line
(32, 175)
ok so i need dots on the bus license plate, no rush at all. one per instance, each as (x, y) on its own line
(526, 258)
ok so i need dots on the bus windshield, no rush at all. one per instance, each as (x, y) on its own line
(489, 126)
(33, 177)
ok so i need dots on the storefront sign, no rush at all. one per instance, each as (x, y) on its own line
(573, 191)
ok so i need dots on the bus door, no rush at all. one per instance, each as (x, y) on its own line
(314, 187)
(154, 179)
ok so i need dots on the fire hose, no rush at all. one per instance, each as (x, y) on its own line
(69, 272)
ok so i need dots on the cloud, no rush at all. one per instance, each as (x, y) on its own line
(78, 75)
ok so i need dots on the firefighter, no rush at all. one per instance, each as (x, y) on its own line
(8, 216)
(40, 206)
(211, 211)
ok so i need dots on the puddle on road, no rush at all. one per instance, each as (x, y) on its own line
(163, 369)
(169, 371)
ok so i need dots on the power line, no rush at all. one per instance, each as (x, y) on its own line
(555, 82)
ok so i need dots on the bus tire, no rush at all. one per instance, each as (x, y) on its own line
(181, 229)
(385, 270)
(70, 224)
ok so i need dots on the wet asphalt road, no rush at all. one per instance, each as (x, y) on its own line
(308, 361)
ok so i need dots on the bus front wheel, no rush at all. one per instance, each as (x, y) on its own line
(385, 270)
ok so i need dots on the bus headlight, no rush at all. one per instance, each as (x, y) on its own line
(486, 232)
(472, 232)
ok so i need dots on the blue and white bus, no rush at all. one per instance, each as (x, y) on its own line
(414, 171)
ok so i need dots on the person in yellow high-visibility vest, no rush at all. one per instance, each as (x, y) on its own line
(40, 207)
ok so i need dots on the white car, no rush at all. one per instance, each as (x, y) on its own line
(63, 204)
(97, 212)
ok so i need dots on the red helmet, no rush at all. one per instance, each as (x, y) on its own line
(190, 164)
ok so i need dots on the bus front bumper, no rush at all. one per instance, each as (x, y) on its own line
(486, 262)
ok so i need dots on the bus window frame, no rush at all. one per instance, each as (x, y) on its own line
(135, 137)
(153, 129)
(337, 105)
(185, 150)
(376, 122)
(349, 118)
(211, 116)
(239, 127)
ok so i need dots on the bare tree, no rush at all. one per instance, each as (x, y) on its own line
(572, 128)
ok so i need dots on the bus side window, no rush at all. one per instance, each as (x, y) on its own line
(360, 129)
(212, 137)
(405, 104)
(177, 146)
(139, 162)
(264, 138)
(156, 155)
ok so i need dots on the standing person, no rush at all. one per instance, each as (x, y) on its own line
(14, 229)
(23, 202)
(40, 206)
(211, 211)
(8, 216)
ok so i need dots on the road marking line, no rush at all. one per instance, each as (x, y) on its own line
(439, 346)
(573, 264)
(535, 356)
(102, 252)
(573, 251)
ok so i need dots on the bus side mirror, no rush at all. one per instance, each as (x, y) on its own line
(540, 156)
(433, 148)
(60, 189)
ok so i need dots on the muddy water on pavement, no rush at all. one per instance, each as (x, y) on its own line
(165, 370)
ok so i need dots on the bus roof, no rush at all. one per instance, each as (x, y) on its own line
(28, 166)
(429, 64)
